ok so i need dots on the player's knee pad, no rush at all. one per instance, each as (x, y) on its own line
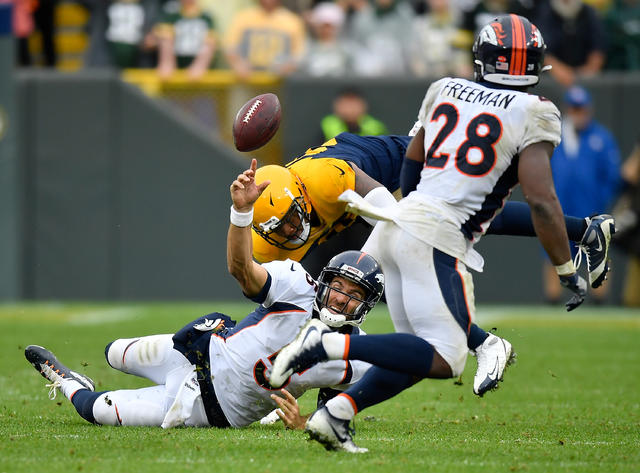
(116, 351)
(141, 352)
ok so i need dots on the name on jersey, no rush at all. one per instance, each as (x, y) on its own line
(467, 93)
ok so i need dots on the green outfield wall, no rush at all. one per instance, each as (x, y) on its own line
(116, 196)
(10, 180)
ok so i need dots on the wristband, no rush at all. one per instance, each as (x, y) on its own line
(565, 269)
(241, 219)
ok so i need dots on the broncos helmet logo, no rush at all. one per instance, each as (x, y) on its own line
(499, 32)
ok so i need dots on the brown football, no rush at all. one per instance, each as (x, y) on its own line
(256, 122)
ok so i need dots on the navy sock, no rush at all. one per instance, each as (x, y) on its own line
(83, 401)
(476, 337)
(515, 220)
(575, 227)
(378, 385)
(400, 352)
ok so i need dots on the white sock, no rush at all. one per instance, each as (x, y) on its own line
(334, 344)
(70, 386)
(340, 407)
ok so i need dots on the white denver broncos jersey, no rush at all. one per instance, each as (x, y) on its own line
(473, 135)
(240, 359)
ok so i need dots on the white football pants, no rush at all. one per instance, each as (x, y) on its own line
(154, 358)
(429, 293)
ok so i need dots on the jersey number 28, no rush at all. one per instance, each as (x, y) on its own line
(482, 133)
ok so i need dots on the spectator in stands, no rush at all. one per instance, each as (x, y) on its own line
(40, 15)
(483, 11)
(438, 47)
(575, 37)
(622, 24)
(186, 40)
(327, 53)
(267, 37)
(600, 5)
(128, 23)
(627, 215)
(350, 113)
(23, 26)
(380, 30)
(586, 172)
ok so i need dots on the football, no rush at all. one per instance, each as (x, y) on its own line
(256, 122)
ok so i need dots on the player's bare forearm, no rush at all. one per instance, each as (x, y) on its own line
(534, 172)
(415, 150)
(240, 264)
(364, 182)
(249, 274)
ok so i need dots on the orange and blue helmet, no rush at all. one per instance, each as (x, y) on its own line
(509, 50)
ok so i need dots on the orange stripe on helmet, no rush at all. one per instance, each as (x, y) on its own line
(518, 46)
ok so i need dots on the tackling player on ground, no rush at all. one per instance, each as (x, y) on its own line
(476, 142)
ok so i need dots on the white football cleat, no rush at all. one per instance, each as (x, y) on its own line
(301, 354)
(333, 433)
(493, 356)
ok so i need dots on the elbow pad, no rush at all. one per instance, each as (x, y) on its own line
(409, 175)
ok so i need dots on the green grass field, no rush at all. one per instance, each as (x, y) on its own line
(570, 404)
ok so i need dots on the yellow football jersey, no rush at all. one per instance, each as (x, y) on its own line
(324, 179)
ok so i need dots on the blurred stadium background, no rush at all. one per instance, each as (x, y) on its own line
(114, 185)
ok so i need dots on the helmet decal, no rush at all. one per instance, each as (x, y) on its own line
(510, 51)
(499, 33)
(351, 271)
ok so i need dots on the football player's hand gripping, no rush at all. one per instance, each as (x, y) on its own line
(245, 191)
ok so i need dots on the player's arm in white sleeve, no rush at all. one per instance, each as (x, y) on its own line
(244, 192)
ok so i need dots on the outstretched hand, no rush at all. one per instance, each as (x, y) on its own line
(245, 191)
(289, 410)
